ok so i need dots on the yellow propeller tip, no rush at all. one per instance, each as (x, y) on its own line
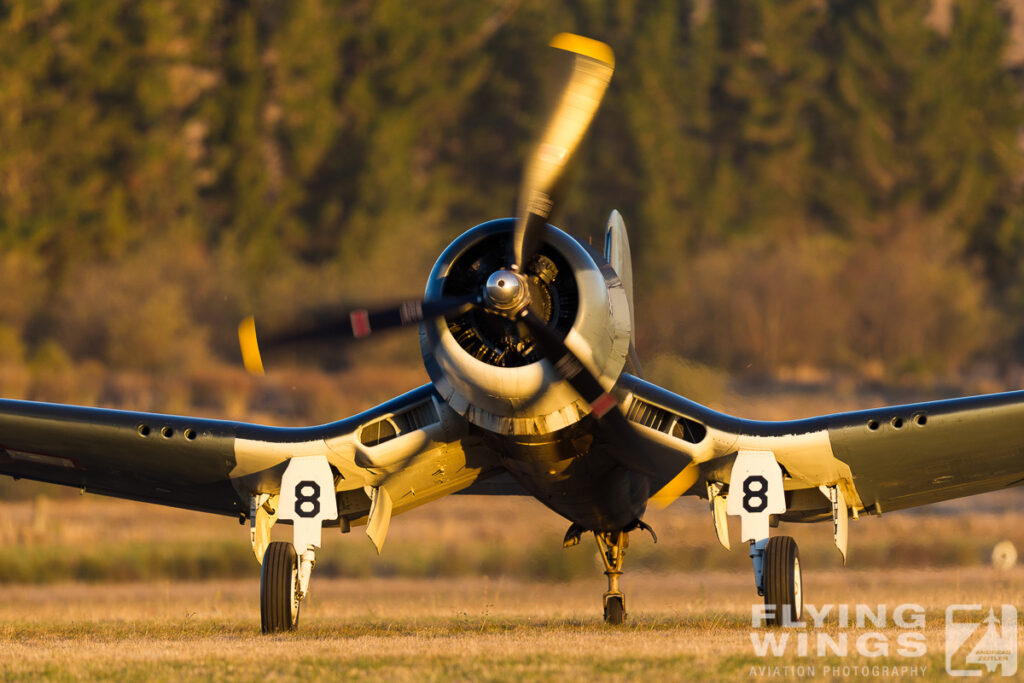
(679, 485)
(250, 346)
(588, 47)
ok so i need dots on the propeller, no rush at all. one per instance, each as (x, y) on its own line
(592, 69)
(507, 292)
(354, 324)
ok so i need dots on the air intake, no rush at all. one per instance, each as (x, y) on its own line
(654, 417)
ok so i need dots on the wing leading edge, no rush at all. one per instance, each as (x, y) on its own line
(882, 459)
(413, 445)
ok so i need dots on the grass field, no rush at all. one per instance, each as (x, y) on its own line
(467, 589)
(681, 627)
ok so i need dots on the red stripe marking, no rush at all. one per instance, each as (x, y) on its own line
(602, 405)
(360, 323)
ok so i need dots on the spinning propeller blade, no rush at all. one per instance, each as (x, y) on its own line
(628, 448)
(678, 485)
(249, 344)
(568, 365)
(592, 69)
(349, 325)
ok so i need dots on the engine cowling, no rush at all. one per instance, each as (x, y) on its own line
(484, 364)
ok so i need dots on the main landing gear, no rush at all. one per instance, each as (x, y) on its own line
(777, 577)
(279, 584)
(284, 583)
(307, 500)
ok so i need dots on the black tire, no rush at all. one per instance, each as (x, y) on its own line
(614, 610)
(783, 586)
(279, 606)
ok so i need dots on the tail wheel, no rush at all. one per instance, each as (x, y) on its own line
(783, 590)
(279, 600)
(614, 610)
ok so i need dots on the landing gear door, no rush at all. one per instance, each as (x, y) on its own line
(307, 499)
(755, 493)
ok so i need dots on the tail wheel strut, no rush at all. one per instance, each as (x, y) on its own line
(613, 551)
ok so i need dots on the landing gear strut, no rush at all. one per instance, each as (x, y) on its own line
(306, 499)
(613, 546)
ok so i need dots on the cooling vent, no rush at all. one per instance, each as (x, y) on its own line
(387, 428)
(651, 416)
(417, 417)
(645, 414)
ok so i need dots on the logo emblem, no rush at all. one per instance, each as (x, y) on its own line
(978, 643)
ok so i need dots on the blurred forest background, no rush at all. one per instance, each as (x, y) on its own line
(815, 189)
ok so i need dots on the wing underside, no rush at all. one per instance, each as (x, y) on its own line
(413, 445)
(154, 458)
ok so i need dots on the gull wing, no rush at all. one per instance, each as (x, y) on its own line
(881, 459)
(218, 466)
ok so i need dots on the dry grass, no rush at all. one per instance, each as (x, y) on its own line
(681, 626)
